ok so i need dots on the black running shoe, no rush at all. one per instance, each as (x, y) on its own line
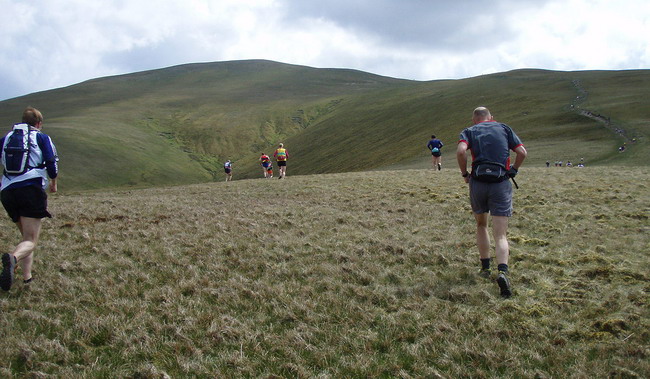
(504, 284)
(7, 275)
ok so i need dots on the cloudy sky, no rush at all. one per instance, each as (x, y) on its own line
(48, 44)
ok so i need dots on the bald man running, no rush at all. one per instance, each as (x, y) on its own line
(490, 191)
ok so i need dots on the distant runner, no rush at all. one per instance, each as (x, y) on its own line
(227, 167)
(267, 167)
(435, 145)
(281, 156)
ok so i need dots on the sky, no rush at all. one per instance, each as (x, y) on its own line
(46, 44)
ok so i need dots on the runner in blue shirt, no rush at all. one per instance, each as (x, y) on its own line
(435, 145)
(227, 167)
(24, 198)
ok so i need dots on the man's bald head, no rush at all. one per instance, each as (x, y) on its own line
(481, 114)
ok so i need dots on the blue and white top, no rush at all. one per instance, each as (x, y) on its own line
(435, 144)
(43, 159)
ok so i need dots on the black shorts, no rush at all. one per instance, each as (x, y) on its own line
(28, 201)
(227, 170)
(282, 163)
(436, 153)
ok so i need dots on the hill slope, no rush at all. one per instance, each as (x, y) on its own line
(391, 127)
(177, 125)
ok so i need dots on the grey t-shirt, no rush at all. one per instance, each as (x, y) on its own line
(490, 141)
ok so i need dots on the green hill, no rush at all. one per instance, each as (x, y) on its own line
(177, 125)
(391, 127)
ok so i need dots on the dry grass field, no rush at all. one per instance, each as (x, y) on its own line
(370, 274)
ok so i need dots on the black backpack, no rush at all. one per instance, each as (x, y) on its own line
(16, 150)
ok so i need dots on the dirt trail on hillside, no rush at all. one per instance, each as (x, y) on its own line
(605, 120)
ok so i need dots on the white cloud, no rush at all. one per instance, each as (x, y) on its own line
(577, 35)
(52, 43)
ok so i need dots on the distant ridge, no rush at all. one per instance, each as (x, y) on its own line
(178, 124)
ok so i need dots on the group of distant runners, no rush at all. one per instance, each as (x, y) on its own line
(568, 163)
(30, 165)
(281, 156)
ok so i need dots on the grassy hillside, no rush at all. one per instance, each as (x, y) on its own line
(391, 127)
(178, 125)
(368, 274)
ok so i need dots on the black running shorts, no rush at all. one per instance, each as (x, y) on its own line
(30, 201)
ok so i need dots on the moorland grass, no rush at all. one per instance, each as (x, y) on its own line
(369, 274)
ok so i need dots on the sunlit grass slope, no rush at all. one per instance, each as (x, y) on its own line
(178, 125)
(369, 274)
